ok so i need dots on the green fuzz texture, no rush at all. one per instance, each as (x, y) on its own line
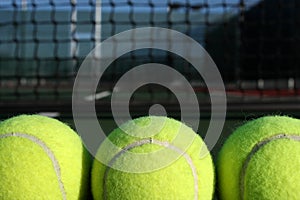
(26, 170)
(272, 172)
(174, 181)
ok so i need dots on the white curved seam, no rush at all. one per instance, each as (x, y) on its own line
(49, 153)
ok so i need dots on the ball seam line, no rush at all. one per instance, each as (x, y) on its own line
(160, 143)
(49, 153)
(254, 150)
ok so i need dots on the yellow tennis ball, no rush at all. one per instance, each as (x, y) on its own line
(261, 160)
(41, 158)
(189, 176)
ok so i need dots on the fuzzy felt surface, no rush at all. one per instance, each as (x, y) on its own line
(272, 171)
(174, 181)
(27, 170)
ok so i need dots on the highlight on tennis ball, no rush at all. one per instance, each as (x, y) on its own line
(261, 160)
(189, 176)
(41, 158)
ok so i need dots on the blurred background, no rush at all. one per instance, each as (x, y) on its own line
(254, 43)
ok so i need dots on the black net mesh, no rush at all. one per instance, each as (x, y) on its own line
(43, 42)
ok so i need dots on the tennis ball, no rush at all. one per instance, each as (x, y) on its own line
(41, 158)
(261, 160)
(190, 175)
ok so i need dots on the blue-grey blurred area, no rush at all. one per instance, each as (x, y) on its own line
(48, 39)
(31, 44)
